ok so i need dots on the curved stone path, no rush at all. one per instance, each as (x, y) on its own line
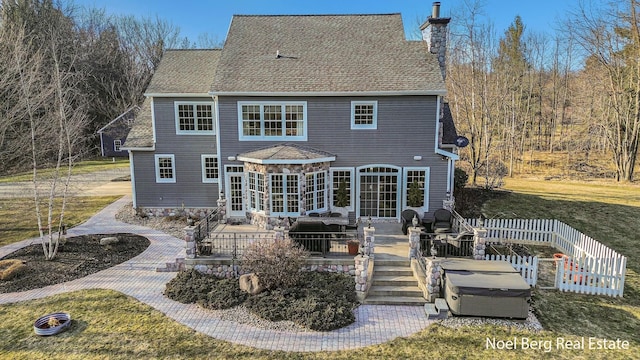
(375, 324)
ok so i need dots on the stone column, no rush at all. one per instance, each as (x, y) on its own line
(222, 210)
(479, 243)
(369, 239)
(448, 204)
(279, 232)
(414, 242)
(190, 240)
(433, 278)
(362, 275)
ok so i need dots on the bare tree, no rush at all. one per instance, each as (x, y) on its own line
(611, 37)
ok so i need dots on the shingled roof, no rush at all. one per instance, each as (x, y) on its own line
(185, 72)
(324, 54)
(141, 134)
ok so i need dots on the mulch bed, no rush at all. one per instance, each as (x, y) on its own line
(80, 256)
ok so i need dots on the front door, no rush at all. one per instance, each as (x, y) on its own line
(379, 192)
(235, 191)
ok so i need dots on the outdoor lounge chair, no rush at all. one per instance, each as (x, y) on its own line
(407, 219)
(442, 221)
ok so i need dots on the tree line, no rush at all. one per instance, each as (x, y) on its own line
(59, 61)
(575, 92)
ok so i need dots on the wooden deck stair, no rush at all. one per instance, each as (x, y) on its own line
(394, 284)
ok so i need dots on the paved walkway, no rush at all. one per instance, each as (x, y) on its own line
(375, 324)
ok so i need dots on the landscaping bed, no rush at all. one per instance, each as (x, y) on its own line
(320, 301)
(78, 257)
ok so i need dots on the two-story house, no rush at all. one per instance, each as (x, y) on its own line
(289, 108)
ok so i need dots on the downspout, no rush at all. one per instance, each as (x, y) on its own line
(133, 180)
(221, 174)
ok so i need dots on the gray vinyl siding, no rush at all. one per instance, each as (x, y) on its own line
(188, 190)
(405, 128)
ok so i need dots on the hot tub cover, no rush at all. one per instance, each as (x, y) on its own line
(477, 265)
(492, 284)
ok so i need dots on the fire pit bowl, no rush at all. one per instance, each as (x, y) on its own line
(52, 324)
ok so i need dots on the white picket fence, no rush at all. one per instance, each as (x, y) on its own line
(592, 268)
(527, 266)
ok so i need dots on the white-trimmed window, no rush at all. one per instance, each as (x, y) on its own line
(116, 145)
(315, 196)
(364, 115)
(272, 120)
(285, 194)
(420, 176)
(165, 168)
(210, 170)
(194, 117)
(256, 191)
(339, 175)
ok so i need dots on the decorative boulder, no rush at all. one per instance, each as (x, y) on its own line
(250, 283)
(109, 240)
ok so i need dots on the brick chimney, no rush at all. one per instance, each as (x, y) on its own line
(434, 32)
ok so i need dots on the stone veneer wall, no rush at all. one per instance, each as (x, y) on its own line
(226, 269)
(264, 219)
(198, 213)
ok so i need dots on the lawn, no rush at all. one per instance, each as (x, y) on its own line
(18, 221)
(83, 167)
(110, 325)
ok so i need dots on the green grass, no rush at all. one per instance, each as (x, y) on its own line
(107, 324)
(110, 325)
(18, 221)
(83, 167)
(607, 213)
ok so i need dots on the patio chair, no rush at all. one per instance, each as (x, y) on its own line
(407, 219)
(442, 221)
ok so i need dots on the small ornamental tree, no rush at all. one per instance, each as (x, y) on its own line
(342, 199)
(277, 262)
(415, 195)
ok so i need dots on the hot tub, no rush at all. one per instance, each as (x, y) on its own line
(485, 293)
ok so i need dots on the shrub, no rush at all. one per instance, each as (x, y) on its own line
(460, 179)
(326, 302)
(270, 305)
(321, 314)
(415, 195)
(342, 199)
(224, 295)
(190, 286)
(277, 263)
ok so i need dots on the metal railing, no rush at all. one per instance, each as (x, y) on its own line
(446, 245)
(233, 244)
(205, 226)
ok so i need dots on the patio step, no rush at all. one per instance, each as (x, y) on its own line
(389, 300)
(393, 280)
(437, 310)
(393, 284)
(392, 270)
(399, 291)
